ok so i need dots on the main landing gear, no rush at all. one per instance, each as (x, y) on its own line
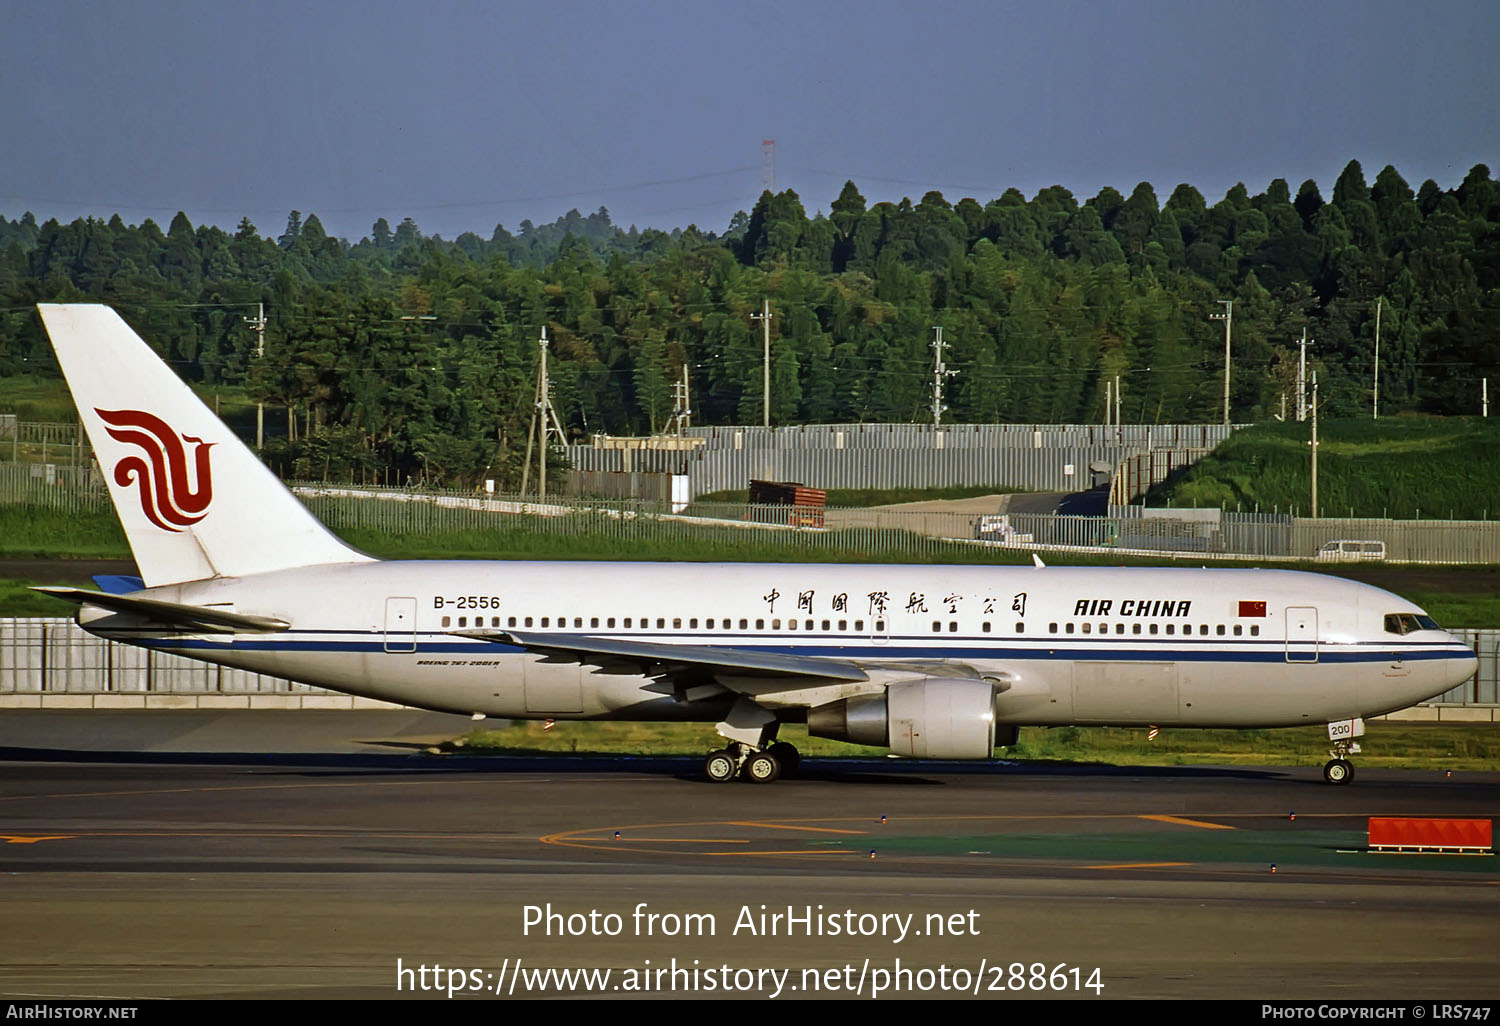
(1339, 770)
(757, 765)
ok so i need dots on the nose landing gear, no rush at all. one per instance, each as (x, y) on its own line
(1339, 770)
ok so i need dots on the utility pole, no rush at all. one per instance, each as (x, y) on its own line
(1302, 379)
(1315, 445)
(939, 372)
(544, 423)
(259, 327)
(765, 323)
(1119, 432)
(1228, 318)
(1484, 405)
(1375, 408)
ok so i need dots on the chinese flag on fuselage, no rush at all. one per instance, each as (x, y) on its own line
(1252, 608)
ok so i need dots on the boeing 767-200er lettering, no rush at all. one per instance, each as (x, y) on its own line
(936, 662)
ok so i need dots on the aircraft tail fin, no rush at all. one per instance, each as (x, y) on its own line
(194, 500)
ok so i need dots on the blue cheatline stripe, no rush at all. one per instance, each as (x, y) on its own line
(895, 649)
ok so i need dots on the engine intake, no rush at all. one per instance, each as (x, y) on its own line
(922, 719)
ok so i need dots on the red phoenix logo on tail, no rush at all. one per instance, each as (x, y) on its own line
(167, 497)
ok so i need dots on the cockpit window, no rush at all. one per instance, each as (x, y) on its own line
(1405, 623)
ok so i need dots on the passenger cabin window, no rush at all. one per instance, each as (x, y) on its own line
(447, 621)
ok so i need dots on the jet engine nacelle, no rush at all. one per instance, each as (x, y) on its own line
(931, 718)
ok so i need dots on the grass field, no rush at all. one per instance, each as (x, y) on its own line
(1401, 467)
(37, 532)
(32, 532)
(1438, 747)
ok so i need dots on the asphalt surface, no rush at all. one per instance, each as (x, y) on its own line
(191, 860)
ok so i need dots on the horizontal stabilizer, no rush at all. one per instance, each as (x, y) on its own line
(738, 661)
(175, 614)
(116, 584)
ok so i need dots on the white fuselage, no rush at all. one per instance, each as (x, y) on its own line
(1063, 645)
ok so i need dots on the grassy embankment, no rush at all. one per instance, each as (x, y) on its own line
(1402, 467)
(1474, 747)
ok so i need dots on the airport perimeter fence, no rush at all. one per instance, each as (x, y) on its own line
(54, 656)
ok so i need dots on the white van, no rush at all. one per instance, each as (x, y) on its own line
(1346, 550)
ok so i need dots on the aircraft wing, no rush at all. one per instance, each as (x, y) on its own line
(195, 619)
(740, 662)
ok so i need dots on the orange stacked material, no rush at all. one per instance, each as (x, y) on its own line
(806, 503)
(1431, 836)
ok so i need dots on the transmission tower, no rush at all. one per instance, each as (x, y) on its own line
(682, 412)
(768, 165)
(544, 423)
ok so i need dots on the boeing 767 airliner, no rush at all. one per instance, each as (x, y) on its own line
(938, 662)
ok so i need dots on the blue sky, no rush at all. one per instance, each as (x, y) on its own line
(462, 114)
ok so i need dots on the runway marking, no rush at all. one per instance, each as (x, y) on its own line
(1142, 865)
(681, 840)
(1190, 822)
(23, 839)
(789, 826)
(805, 851)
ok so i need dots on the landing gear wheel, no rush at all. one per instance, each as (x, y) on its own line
(787, 755)
(1338, 771)
(762, 768)
(720, 766)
